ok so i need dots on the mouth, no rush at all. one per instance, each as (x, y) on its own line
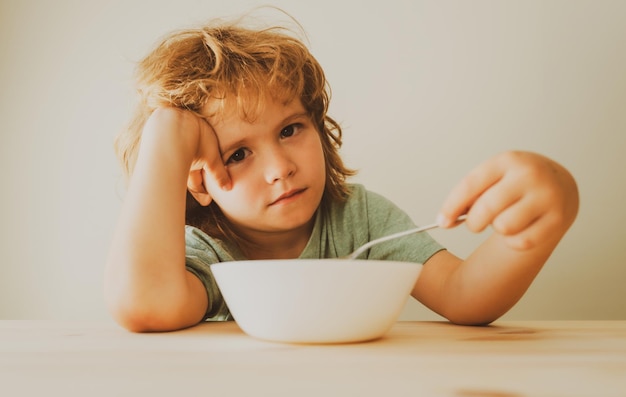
(287, 196)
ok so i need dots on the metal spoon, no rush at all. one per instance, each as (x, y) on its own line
(356, 253)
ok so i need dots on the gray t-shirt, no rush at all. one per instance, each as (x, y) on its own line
(365, 216)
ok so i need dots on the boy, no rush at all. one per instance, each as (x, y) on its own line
(231, 155)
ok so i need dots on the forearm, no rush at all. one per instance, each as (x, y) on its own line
(491, 280)
(146, 283)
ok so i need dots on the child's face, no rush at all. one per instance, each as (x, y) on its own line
(277, 169)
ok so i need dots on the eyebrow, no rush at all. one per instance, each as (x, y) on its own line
(287, 120)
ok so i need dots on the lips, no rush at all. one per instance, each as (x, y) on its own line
(287, 195)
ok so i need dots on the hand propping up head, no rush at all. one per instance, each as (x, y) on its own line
(197, 142)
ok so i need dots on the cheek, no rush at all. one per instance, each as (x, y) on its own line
(319, 159)
(311, 147)
(237, 198)
(229, 203)
(227, 198)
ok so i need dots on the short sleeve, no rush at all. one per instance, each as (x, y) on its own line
(385, 218)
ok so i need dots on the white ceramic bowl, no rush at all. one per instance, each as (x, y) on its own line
(316, 300)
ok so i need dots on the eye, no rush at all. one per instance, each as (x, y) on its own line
(290, 130)
(238, 156)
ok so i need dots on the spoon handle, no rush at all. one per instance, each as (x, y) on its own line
(356, 253)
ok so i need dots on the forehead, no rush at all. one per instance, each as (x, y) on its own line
(237, 110)
(248, 103)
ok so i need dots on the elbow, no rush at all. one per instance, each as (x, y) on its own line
(474, 322)
(143, 314)
(126, 310)
(138, 313)
(147, 306)
(132, 324)
(473, 317)
(130, 315)
(146, 318)
(477, 311)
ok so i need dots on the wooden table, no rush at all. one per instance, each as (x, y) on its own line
(414, 359)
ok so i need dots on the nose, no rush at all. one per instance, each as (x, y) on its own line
(278, 165)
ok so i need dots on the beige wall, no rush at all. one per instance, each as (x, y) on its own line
(424, 89)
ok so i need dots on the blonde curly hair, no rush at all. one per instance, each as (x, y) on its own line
(240, 67)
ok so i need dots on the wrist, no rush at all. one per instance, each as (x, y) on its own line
(171, 134)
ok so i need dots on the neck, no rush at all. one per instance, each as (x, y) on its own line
(277, 245)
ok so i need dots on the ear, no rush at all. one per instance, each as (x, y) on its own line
(195, 185)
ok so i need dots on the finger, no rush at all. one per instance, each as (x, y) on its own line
(196, 186)
(516, 218)
(209, 150)
(462, 197)
(533, 234)
(194, 181)
(491, 203)
(216, 174)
